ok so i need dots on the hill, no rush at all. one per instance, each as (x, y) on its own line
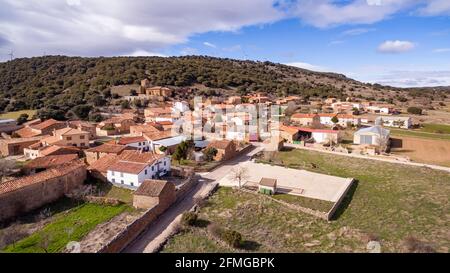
(57, 84)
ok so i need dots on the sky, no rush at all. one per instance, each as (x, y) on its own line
(404, 43)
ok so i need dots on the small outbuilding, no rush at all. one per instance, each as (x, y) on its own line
(267, 186)
(154, 192)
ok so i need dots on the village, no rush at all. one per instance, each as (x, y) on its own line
(160, 154)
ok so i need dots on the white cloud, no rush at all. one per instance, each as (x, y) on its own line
(441, 50)
(308, 66)
(356, 31)
(144, 53)
(396, 46)
(116, 27)
(436, 7)
(208, 44)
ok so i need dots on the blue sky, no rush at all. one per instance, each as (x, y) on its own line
(396, 42)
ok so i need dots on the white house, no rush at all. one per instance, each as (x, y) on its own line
(133, 167)
(394, 121)
(180, 106)
(375, 135)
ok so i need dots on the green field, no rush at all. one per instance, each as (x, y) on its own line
(315, 204)
(388, 203)
(65, 227)
(428, 130)
(16, 115)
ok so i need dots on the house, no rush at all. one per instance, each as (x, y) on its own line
(39, 150)
(9, 125)
(16, 146)
(267, 186)
(138, 130)
(158, 114)
(258, 98)
(94, 154)
(133, 167)
(394, 121)
(346, 120)
(326, 119)
(137, 142)
(31, 192)
(115, 125)
(84, 126)
(36, 128)
(306, 119)
(43, 163)
(158, 91)
(163, 139)
(181, 106)
(68, 137)
(381, 109)
(375, 135)
(226, 149)
(99, 169)
(154, 192)
(323, 136)
(288, 133)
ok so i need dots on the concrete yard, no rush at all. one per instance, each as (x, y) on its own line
(293, 181)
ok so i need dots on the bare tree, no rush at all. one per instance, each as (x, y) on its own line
(6, 168)
(239, 174)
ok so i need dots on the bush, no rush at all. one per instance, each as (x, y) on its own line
(231, 237)
(189, 218)
(414, 110)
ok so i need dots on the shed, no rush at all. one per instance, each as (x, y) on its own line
(267, 186)
(154, 192)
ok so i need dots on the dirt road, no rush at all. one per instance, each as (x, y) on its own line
(160, 230)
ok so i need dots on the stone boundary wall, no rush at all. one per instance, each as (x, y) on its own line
(339, 201)
(135, 228)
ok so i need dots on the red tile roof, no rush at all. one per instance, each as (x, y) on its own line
(45, 124)
(152, 188)
(25, 181)
(102, 165)
(27, 132)
(50, 161)
(220, 144)
(108, 148)
(300, 115)
(130, 140)
(140, 157)
(127, 167)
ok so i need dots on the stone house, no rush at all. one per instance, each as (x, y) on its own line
(34, 129)
(226, 149)
(154, 192)
(94, 154)
(44, 163)
(16, 146)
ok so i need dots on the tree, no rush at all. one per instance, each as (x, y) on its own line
(181, 151)
(334, 119)
(189, 218)
(133, 93)
(22, 118)
(210, 153)
(6, 168)
(415, 110)
(125, 104)
(239, 174)
(82, 111)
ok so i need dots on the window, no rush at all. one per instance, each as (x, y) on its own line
(165, 163)
(82, 144)
(112, 173)
(81, 137)
(121, 174)
(121, 181)
(69, 138)
(132, 184)
(153, 168)
(114, 180)
(146, 172)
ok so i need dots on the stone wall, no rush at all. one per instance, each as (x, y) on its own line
(48, 187)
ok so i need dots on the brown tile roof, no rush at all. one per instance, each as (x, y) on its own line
(147, 128)
(27, 132)
(220, 144)
(45, 124)
(25, 181)
(20, 140)
(108, 148)
(50, 150)
(139, 157)
(127, 167)
(50, 161)
(68, 131)
(129, 140)
(102, 165)
(81, 123)
(152, 188)
(289, 129)
(300, 115)
(268, 182)
(158, 135)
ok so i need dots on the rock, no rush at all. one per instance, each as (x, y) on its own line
(312, 243)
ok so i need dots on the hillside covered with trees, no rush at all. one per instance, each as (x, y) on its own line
(57, 84)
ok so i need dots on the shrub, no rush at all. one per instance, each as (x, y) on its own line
(231, 237)
(414, 110)
(189, 218)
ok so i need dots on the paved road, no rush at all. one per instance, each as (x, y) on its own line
(161, 229)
